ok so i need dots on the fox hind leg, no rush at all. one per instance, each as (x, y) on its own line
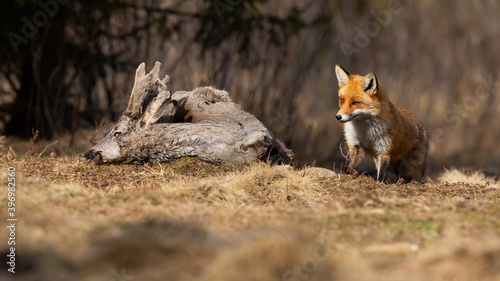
(382, 163)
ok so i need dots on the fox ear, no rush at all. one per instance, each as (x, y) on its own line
(342, 75)
(370, 84)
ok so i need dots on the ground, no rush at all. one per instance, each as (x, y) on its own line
(190, 220)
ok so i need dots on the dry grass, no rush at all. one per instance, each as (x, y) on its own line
(189, 220)
(467, 176)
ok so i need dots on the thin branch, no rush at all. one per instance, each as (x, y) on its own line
(47, 146)
(12, 151)
(30, 151)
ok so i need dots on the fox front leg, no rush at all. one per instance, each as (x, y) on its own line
(352, 159)
(382, 162)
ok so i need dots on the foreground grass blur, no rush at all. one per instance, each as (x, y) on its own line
(189, 220)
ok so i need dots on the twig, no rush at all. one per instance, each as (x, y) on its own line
(12, 151)
(345, 154)
(47, 146)
(32, 145)
(341, 147)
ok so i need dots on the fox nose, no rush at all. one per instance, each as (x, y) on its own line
(338, 117)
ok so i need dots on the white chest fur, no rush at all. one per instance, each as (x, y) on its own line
(370, 133)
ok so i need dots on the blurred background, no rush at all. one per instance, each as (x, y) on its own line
(67, 66)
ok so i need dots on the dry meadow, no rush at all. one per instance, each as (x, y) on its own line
(190, 220)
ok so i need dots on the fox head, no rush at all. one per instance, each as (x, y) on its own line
(358, 95)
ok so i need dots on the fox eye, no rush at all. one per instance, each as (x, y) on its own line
(341, 101)
(355, 102)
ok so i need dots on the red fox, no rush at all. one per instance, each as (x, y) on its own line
(394, 137)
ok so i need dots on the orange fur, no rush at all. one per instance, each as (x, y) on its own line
(394, 137)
